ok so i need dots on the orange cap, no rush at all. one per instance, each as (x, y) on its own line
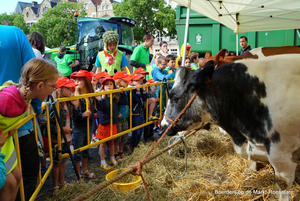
(82, 73)
(122, 75)
(106, 79)
(141, 71)
(65, 82)
(136, 77)
(101, 75)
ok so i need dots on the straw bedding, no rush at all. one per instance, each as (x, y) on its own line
(215, 172)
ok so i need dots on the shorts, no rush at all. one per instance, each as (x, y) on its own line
(63, 148)
(122, 126)
(104, 131)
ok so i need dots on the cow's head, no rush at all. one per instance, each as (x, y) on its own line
(187, 83)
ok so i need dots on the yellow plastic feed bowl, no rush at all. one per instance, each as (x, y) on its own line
(124, 186)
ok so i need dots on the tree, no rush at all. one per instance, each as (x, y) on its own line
(58, 25)
(151, 16)
(14, 19)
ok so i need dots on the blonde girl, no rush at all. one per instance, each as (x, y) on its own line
(38, 80)
(83, 80)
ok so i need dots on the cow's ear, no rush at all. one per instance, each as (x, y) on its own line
(203, 76)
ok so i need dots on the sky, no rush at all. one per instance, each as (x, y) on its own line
(8, 6)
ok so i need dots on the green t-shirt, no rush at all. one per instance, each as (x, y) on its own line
(140, 54)
(63, 65)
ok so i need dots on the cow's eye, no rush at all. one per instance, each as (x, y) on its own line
(174, 100)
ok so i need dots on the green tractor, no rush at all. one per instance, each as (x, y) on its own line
(89, 40)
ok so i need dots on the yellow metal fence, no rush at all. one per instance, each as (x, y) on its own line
(89, 145)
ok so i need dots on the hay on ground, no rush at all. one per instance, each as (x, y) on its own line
(215, 172)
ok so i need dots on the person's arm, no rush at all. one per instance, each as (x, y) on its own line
(137, 64)
(98, 64)
(158, 76)
(71, 64)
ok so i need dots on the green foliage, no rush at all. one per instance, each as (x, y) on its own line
(14, 19)
(151, 16)
(55, 22)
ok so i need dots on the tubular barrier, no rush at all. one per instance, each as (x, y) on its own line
(41, 180)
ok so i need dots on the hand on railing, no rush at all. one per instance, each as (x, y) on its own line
(75, 103)
(86, 114)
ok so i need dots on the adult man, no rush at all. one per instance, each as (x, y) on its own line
(15, 51)
(64, 62)
(244, 45)
(111, 59)
(140, 55)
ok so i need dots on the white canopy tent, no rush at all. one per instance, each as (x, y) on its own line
(249, 15)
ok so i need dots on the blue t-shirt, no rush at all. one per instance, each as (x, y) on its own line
(15, 51)
(159, 75)
(123, 63)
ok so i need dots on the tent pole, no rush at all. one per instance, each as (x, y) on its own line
(186, 32)
(237, 44)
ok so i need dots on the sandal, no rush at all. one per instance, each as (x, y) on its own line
(114, 162)
(91, 175)
(153, 118)
(55, 190)
(105, 166)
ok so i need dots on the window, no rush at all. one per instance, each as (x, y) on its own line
(85, 6)
(107, 7)
(44, 10)
(27, 14)
(103, 7)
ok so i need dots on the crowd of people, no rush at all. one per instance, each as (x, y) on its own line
(39, 78)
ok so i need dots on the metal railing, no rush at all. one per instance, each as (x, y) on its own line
(89, 144)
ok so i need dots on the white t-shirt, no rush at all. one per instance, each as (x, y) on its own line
(37, 53)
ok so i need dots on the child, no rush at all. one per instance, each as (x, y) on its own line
(104, 129)
(138, 97)
(150, 68)
(159, 74)
(67, 111)
(83, 80)
(98, 80)
(171, 66)
(187, 62)
(122, 79)
(194, 56)
(38, 80)
(152, 99)
(64, 62)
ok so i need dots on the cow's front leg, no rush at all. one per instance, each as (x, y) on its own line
(284, 169)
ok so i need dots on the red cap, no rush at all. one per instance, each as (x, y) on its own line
(106, 79)
(101, 75)
(141, 71)
(82, 73)
(136, 77)
(188, 47)
(65, 82)
(72, 75)
(151, 81)
(92, 73)
(122, 75)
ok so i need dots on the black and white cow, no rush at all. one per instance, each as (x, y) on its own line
(256, 101)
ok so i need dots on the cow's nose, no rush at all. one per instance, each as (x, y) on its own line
(164, 123)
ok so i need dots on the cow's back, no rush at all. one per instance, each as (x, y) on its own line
(281, 76)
